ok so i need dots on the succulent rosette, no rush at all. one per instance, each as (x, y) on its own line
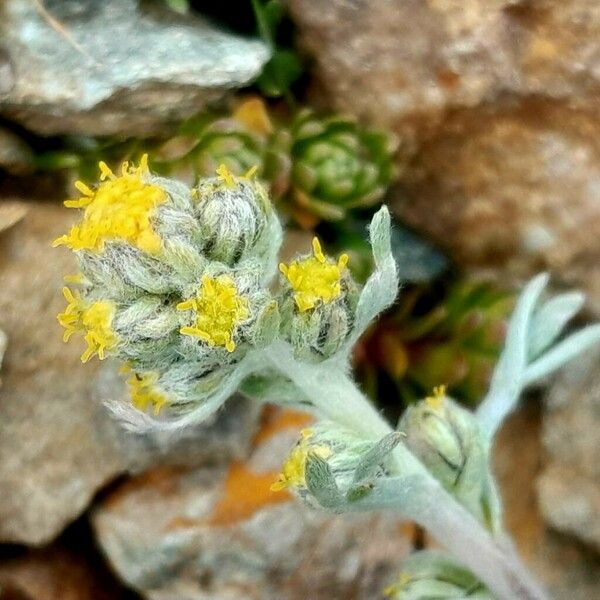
(338, 165)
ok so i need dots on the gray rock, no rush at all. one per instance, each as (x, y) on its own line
(116, 66)
(7, 76)
(57, 442)
(569, 488)
(221, 534)
(498, 102)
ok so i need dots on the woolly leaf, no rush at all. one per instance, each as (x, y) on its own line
(550, 320)
(562, 353)
(321, 482)
(507, 380)
(375, 456)
(381, 288)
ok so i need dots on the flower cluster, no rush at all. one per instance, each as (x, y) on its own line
(174, 281)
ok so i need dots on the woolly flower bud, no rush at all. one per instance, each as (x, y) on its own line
(178, 388)
(331, 466)
(430, 574)
(318, 305)
(447, 440)
(236, 218)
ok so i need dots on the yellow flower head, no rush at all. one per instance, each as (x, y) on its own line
(94, 319)
(436, 401)
(144, 393)
(294, 468)
(315, 278)
(219, 310)
(120, 208)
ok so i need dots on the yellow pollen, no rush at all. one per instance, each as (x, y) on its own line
(75, 278)
(436, 401)
(219, 310)
(399, 586)
(315, 279)
(251, 172)
(294, 468)
(144, 393)
(120, 208)
(226, 176)
(94, 319)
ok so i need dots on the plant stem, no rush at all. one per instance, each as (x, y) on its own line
(418, 496)
(493, 561)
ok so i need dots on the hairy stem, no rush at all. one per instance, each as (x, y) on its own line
(417, 494)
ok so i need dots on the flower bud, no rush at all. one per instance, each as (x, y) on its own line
(236, 218)
(430, 574)
(446, 439)
(177, 389)
(331, 466)
(318, 304)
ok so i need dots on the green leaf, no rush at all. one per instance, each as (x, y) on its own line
(375, 456)
(280, 73)
(321, 483)
(180, 6)
(268, 16)
(418, 261)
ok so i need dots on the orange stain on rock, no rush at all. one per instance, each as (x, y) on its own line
(245, 493)
(275, 420)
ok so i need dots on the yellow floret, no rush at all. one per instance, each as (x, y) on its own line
(226, 176)
(436, 401)
(120, 208)
(399, 586)
(315, 279)
(94, 319)
(294, 468)
(219, 310)
(144, 393)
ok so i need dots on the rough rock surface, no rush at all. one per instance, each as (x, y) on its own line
(498, 103)
(569, 489)
(220, 533)
(15, 155)
(569, 571)
(3, 344)
(57, 442)
(54, 574)
(11, 212)
(407, 63)
(116, 66)
(513, 191)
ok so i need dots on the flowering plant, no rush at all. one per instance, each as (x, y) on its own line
(175, 282)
